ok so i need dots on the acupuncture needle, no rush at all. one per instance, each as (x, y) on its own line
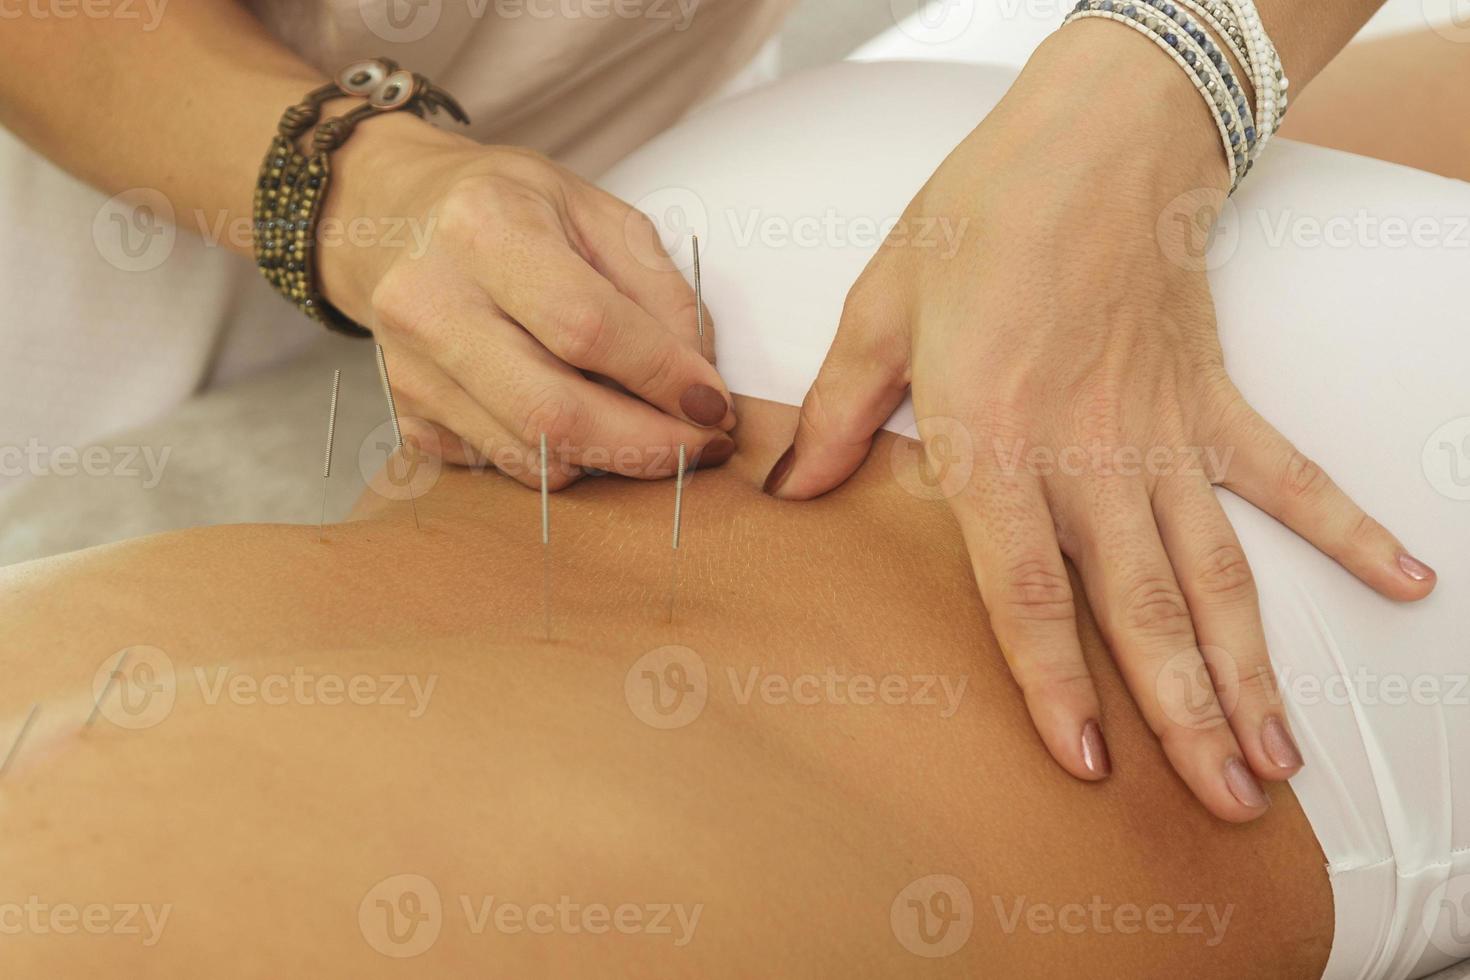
(112, 675)
(698, 296)
(545, 543)
(678, 521)
(327, 463)
(25, 730)
(397, 432)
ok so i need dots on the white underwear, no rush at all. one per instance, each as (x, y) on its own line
(1345, 317)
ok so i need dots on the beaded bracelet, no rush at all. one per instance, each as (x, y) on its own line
(1268, 76)
(1193, 58)
(292, 186)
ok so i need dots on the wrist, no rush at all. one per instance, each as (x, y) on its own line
(1109, 99)
(378, 201)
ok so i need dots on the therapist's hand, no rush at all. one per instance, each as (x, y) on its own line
(1082, 363)
(514, 299)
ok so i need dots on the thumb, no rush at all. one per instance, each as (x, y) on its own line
(862, 380)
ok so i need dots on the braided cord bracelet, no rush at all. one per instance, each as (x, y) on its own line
(292, 187)
(1192, 60)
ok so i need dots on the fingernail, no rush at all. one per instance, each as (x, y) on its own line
(704, 405)
(780, 471)
(1243, 785)
(1415, 569)
(1095, 750)
(718, 451)
(1279, 744)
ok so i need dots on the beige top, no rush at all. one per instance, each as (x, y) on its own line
(585, 81)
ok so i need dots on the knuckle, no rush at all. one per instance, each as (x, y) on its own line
(554, 412)
(1054, 680)
(660, 372)
(1036, 591)
(1153, 606)
(1096, 411)
(579, 331)
(1365, 531)
(1302, 478)
(1257, 682)
(1225, 574)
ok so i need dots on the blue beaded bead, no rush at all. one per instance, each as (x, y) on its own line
(1171, 40)
(1189, 56)
(1130, 11)
(1250, 133)
(1169, 10)
(1107, 5)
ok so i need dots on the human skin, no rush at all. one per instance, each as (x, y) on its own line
(185, 104)
(532, 774)
(1062, 322)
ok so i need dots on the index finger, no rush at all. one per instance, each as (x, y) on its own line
(584, 320)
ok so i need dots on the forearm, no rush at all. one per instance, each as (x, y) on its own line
(186, 108)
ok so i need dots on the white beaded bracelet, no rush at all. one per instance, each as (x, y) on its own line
(1203, 74)
(1268, 76)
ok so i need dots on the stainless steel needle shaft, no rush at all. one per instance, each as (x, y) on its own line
(327, 462)
(397, 432)
(545, 543)
(678, 523)
(698, 295)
